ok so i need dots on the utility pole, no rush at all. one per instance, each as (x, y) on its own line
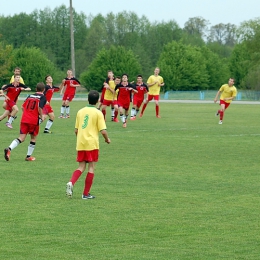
(72, 40)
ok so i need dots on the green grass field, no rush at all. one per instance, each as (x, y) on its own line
(179, 187)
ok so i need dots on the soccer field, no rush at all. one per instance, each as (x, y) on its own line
(178, 187)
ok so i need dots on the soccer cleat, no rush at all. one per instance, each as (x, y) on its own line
(87, 197)
(220, 122)
(69, 189)
(124, 125)
(61, 116)
(141, 115)
(132, 118)
(29, 159)
(217, 113)
(7, 154)
(158, 116)
(47, 132)
(116, 120)
(67, 116)
(8, 125)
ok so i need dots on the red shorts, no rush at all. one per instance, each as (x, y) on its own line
(222, 102)
(87, 156)
(9, 105)
(108, 102)
(137, 101)
(155, 97)
(124, 105)
(68, 97)
(26, 128)
(47, 109)
(102, 96)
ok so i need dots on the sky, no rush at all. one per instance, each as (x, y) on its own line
(215, 11)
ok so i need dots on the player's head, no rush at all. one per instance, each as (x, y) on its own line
(117, 80)
(231, 81)
(69, 72)
(40, 87)
(17, 71)
(124, 77)
(48, 79)
(139, 78)
(93, 97)
(17, 78)
(110, 74)
(156, 71)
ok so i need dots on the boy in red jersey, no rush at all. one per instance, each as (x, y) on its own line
(138, 97)
(125, 90)
(154, 83)
(47, 110)
(12, 90)
(32, 112)
(89, 122)
(70, 83)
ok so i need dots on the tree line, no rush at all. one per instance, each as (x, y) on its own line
(196, 57)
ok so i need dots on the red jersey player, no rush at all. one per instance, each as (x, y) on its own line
(70, 83)
(12, 90)
(125, 90)
(32, 111)
(47, 110)
(139, 96)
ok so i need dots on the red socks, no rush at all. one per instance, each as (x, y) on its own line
(75, 176)
(157, 110)
(88, 183)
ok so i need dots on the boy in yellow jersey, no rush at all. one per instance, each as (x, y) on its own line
(228, 93)
(109, 98)
(89, 122)
(154, 83)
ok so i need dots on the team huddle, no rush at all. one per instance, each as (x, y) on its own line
(117, 93)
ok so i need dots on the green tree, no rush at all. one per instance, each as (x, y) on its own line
(183, 67)
(117, 59)
(5, 62)
(34, 63)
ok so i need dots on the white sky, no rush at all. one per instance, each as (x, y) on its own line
(215, 11)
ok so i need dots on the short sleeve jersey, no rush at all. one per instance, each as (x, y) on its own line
(124, 92)
(48, 92)
(31, 107)
(89, 122)
(227, 92)
(71, 90)
(142, 89)
(108, 93)
(155, 89)
(13, 92)
(12, 80)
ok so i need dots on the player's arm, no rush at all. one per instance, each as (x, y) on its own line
(76, 131)
(109, 88)
(24, 88)
(133, 88)
(75, 85)
(3, 95)
(216, 98)
(62, 87)
(43, 102)
(105, 135)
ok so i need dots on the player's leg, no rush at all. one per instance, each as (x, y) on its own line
(156, 99)
(12, 116)
(4, 115)
(103, 109)
(32, 144)
(89, 180)
(149, 98)
(76, 174)
(49, 123)
(62, 109)
(67, 105)
(116, 112)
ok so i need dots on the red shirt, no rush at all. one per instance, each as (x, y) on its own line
(142, 89)
(13, 91)
(48, 92)
(31, 107)
(124, 93)
(71, 90)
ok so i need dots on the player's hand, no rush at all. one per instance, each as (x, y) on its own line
(108, 141)
(215, 100)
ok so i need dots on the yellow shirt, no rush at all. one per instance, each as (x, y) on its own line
(227, 92)
(154, 89)
(108, 94)
(12, 80)
(89, 122)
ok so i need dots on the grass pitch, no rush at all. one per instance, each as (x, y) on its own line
(179, 187)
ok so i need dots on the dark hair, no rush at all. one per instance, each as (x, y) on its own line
(117, 77)
(47, 77)
(139, 76)
(40, 86)
(125, 75)
(17, 68)
(93, 97)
